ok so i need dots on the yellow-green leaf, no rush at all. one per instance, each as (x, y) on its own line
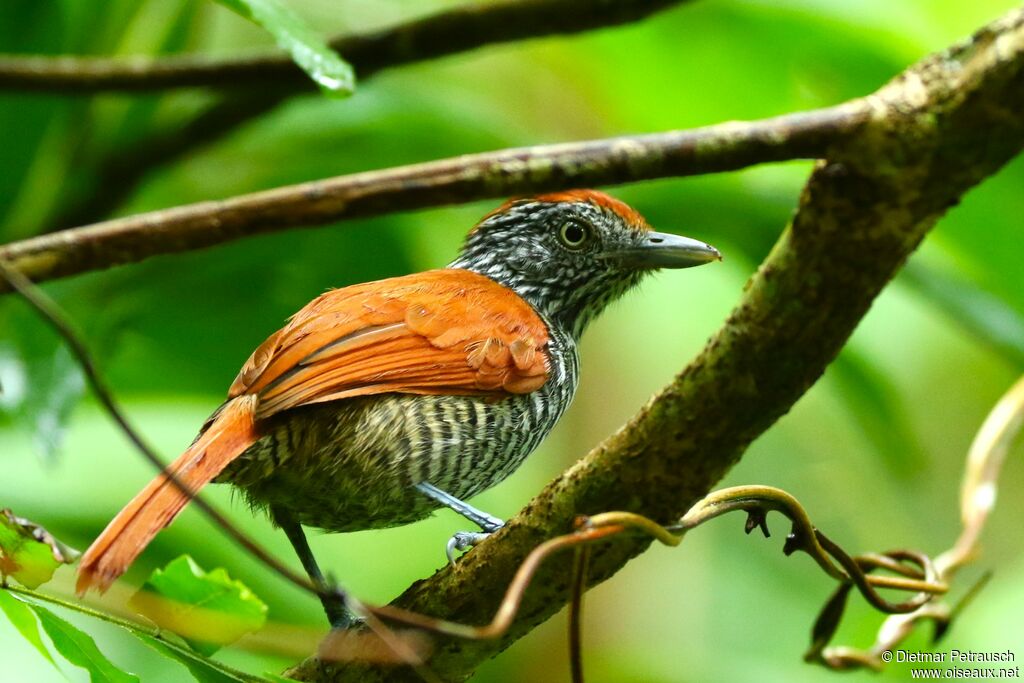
(207, 609)
(29, 554)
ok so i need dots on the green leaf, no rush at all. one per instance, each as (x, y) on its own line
(28, 553)
(79, 648)
(207, 609)
(307, 49)
(20, 616)
(277, 678)
(19, 604)
(202, 670)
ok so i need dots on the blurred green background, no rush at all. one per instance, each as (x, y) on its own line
(874, 450)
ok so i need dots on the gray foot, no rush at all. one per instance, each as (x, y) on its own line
(464, 540)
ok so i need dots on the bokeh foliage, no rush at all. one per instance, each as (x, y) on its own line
(873, 451)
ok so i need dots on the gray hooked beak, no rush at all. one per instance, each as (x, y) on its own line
(662, 250)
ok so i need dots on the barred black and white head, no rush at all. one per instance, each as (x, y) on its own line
(571, 253)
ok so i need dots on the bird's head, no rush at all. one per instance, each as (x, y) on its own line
(571, 253)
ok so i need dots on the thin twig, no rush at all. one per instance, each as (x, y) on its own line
(758, 500)
(509, 607)
(398, 646)
(977, 498)
(579, 587)
(605, 526)
(723, 147)
(448, 32)
(275, 79)
(136, 628)
(50, 312)
(867, 583)
(981, 474)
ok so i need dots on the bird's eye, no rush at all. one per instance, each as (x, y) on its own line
(574, 235)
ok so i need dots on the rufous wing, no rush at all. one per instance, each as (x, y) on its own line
(439, 332)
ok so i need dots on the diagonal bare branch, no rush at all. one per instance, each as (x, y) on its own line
(933, 132)
(724, 147)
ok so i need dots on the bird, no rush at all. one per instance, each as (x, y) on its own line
(379, 403)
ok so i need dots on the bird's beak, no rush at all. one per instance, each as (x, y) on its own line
(662, 250)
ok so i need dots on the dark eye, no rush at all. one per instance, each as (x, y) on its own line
(574, 235)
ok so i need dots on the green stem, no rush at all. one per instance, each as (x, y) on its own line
(136, 629)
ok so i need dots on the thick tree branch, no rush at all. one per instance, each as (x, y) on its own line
(933, 133)
(723, 147)
(445, 33)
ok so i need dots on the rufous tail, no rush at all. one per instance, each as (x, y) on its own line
(231, 432)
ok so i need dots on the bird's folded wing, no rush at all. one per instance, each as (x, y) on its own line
(438, 332)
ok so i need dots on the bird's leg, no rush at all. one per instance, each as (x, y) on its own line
(334, 605)
(463, 539)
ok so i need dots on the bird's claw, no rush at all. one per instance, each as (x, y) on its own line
(463, 540)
